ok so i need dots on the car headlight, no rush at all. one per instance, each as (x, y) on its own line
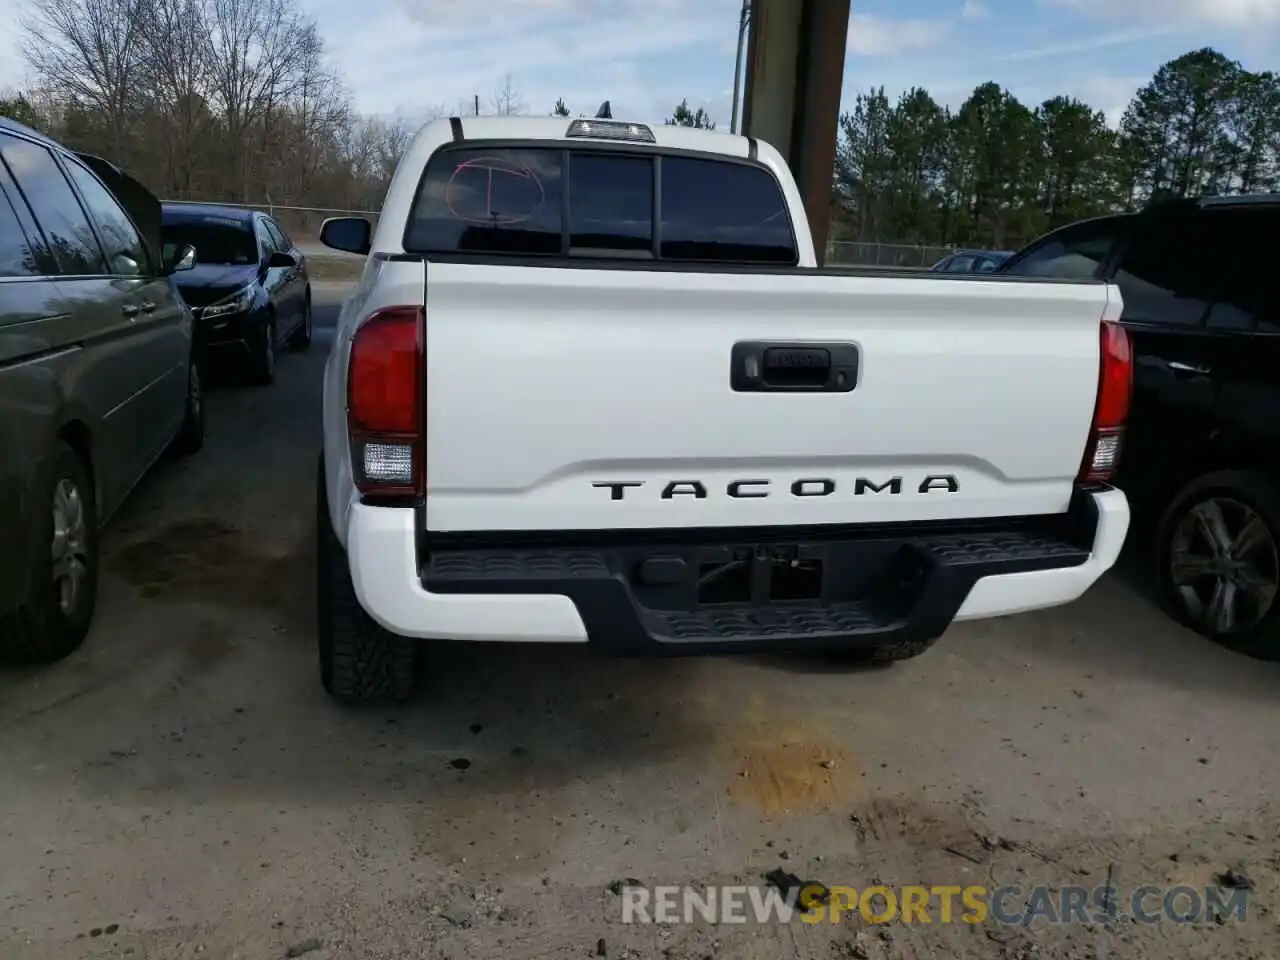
(238, 302)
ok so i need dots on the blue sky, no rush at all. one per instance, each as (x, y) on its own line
(413, 56)
(645, 55)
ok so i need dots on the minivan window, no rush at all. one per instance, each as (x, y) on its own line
(511, 200)
(55, 206)
(1072, 253)
(126, 253)
(16, 256)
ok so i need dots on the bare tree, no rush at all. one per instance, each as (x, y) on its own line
(177, 66)
(506, 101)
(220, 100)
(260, 52)
(88, 52)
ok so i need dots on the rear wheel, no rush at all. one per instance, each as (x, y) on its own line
(1218, 560)
(55, 617)
(262, 358)
(360, 662)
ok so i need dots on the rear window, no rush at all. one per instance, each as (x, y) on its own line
(555, 202)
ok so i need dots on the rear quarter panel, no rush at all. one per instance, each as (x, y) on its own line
(382, 284)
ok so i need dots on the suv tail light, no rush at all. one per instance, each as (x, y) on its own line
(385, 404)
(1115, 391)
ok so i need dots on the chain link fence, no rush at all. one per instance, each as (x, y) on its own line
(303, 225)
(843, 253)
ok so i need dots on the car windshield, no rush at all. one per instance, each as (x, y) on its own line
(216, 239)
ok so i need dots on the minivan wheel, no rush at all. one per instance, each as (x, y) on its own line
(360, 662)
(1218, 556)
(54, 619)
(262, 361)
(190, 436)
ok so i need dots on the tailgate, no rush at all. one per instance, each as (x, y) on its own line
(568, 398)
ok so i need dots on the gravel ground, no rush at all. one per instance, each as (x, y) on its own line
(181, 787)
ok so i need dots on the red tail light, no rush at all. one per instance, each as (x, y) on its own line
(1115, 391)
(385, 406)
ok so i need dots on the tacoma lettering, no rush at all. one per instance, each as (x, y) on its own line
(863, 485)
(685, 488)
(758, 488)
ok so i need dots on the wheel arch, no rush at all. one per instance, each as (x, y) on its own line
(75, 433)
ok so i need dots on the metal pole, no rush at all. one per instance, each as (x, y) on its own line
(737, 63)
(477, 104)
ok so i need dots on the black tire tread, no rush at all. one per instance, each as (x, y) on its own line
(300, 339)
(35, 632)
(1262, 642)
(190, 437)
(882, 654)
(259, 374)
(360, 662)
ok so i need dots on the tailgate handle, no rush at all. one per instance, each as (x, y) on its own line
(796, 366)
(789, 367)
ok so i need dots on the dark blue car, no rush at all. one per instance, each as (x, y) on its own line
(248, 288)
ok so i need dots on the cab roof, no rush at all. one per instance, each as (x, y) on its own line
(669, 136)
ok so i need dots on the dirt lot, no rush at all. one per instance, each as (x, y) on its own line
(181, 787)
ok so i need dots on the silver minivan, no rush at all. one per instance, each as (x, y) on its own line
(97, 377)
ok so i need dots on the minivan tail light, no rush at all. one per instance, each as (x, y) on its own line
(385, 404)
(1115, 393)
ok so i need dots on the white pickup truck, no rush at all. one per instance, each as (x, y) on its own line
(592, 388)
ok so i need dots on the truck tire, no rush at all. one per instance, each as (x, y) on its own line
(360, 662)
(1192, 566)
(55, 617)
(881, 655)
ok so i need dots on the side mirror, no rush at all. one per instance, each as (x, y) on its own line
(348, 234)
(185, 259)
(280, 259)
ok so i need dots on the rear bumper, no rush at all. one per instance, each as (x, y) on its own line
(880, 587)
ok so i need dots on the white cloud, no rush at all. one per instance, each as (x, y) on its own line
(974, 10)
(1227, 14)
(1107, 92)
(12, 69)
(872, 36)
(424, 52)
(1088, 44)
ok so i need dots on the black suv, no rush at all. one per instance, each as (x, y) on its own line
(1201, 460)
